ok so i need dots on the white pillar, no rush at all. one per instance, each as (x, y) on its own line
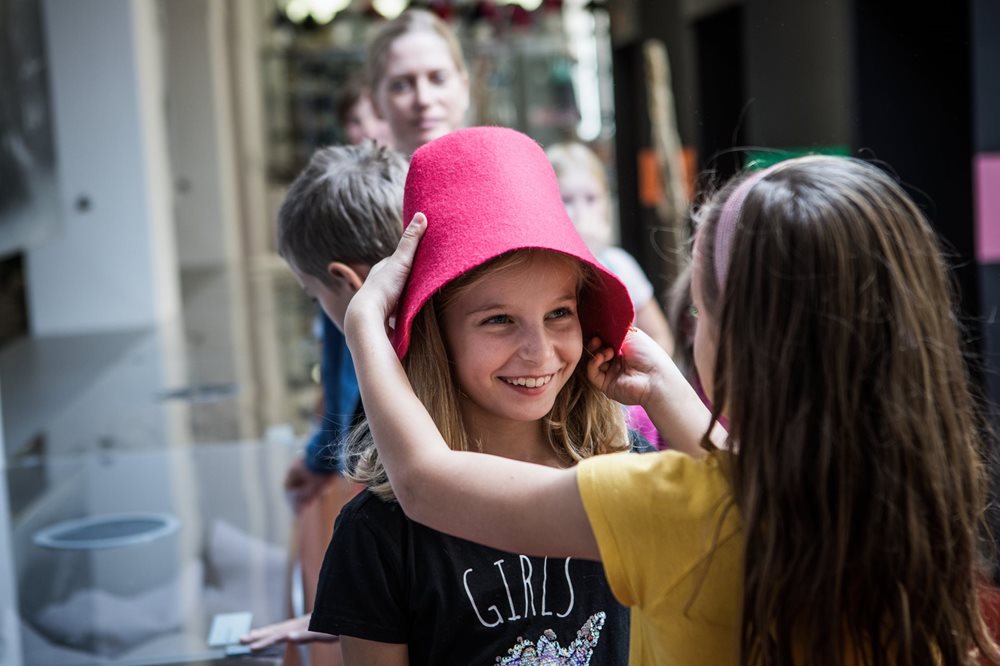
(10, 625)
(114, 266)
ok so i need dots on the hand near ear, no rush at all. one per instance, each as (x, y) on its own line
(380, 293)
(629, 377)
(645, 375)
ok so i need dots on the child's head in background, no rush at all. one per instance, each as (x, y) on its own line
(583, 184)
(356, 116)
(502, 297)
(341, 215)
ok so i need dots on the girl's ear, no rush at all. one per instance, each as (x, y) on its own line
(344, 276)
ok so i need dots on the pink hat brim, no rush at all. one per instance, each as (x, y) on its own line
(487, 191)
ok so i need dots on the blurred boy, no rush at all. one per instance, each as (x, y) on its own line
(341, 215)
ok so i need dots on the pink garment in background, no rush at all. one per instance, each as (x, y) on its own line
(638, 420)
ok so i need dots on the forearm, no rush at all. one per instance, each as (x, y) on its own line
(408, 441)
(679, 414)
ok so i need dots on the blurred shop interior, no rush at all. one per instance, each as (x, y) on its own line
(158, 363)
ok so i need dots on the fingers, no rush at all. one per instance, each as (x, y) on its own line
(593, 345)
(261, 638)
(411, 239)
(292, 631)
(596, 351)
(265, 642)
(599, 363)
(406, 249)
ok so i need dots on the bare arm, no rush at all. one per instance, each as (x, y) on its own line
(360, 652)
(644, 374)
(295, 630)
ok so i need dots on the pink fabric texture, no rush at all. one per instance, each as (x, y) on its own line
(487, 191)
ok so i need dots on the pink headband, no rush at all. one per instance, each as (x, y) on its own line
(732, 211)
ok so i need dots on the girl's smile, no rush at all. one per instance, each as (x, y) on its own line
(529, 382)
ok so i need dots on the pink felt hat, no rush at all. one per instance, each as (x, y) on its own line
(487, 191)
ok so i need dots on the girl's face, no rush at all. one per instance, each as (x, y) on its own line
(706, 331)
(422, 94)
(514, 340)
(586, 201)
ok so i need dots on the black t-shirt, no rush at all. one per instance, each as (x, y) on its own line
(386, 578)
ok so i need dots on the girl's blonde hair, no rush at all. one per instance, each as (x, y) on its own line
(583, 422)
(571, 155)
(859, 482)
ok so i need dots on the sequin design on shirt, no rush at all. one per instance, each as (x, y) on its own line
(548, 652)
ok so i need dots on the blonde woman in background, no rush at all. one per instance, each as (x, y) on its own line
(418, 78)
(584, 188)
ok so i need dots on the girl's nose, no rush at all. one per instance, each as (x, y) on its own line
(535, 344)
(423, 92)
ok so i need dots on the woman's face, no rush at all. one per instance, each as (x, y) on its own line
(706, 331)
(422, 93)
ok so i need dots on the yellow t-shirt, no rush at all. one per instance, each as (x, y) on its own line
(656, 517)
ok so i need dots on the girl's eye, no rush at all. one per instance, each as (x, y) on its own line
(398, 86)
(439, 77)
(561, 313)
(693, 312)
(496, 319)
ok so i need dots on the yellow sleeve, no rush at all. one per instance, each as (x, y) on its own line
(654, 516)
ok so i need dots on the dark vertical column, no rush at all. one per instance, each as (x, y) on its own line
(631, 135)
(915, 112)
(798, 58)
(722, 97)
(638, 22)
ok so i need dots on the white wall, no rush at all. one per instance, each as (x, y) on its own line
(199, 119)
(115, 265)
(10, 627)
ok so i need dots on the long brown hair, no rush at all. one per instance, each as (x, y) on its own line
(583, 421)
(858, 476)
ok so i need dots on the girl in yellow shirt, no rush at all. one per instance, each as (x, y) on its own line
(835, 523)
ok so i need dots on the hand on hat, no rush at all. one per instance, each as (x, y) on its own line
(645, 375)
(381, 290)
(629, 378)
